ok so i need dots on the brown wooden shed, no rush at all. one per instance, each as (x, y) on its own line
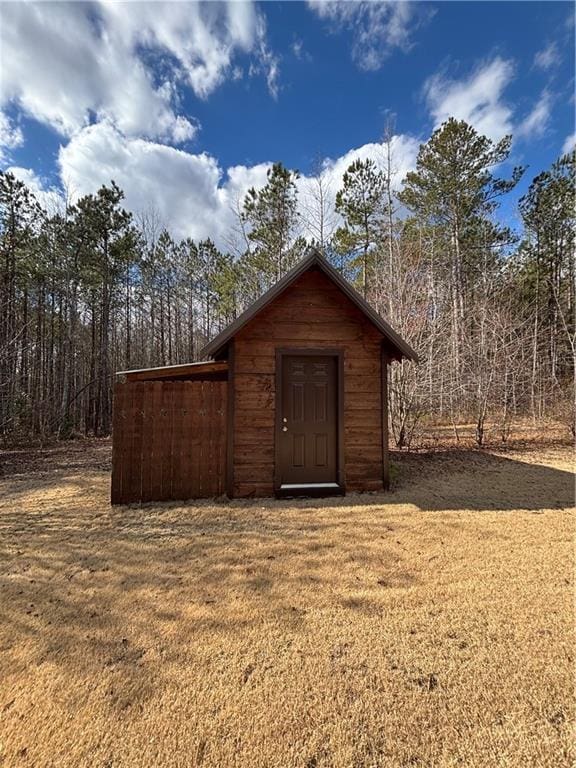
(294, 401)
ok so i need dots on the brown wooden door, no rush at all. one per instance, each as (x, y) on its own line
(308, 421)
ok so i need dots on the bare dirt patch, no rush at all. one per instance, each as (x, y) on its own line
(431, 626)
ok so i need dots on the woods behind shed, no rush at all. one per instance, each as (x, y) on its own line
(293, 401)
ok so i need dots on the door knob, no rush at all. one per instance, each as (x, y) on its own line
(284, 429)
(284, 419)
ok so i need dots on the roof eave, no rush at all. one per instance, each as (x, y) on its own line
(314, 258)
(220, 341)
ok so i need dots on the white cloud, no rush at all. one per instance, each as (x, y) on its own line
(404, 151)
(536, 123)
(377, 27)
(191, 193)
(66, 64)
(10, 136)
(49, 197)
(548, 57)
(478, 99)
(239, 180)
(569, 144)
(59, 69)
(183, 130)
(202, 37)
(266, 63)
(298, 48)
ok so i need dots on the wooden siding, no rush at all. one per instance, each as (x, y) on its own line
(169, 440)
(311, 313)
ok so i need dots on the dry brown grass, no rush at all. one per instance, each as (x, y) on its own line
(428, 627)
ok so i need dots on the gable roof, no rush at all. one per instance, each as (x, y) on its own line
(313, 259)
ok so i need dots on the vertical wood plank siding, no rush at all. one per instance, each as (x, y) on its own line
(169, 440)
(311, 313)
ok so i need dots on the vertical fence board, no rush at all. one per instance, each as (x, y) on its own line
(134, 489)
(147, 439)
(169, 440)
(166, 442)
(200, 447)
(195, 439)
(156, 443)
(128, 462)
(208, 423)
(186, 456)
(178, 465)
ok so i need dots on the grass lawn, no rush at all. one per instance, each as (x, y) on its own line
(431, 626)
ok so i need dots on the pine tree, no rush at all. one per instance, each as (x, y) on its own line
(548, 270)
(271, 217)
(454, 190)
(20, 218)
(108, 245)
(362, 204)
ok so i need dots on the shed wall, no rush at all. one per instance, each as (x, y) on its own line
(311, 313)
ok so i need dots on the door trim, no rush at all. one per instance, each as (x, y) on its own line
(339, 487)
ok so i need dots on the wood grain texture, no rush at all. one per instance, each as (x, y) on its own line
(311, 313)
(191, 439)
(178, 372)
(169, 440)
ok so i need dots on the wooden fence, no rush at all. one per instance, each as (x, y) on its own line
(169, 440)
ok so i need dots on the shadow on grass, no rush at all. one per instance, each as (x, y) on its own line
(475, 480)
(89, 588)
(456, 480)
(108, 586)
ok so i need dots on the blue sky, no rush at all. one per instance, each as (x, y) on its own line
(187, 104)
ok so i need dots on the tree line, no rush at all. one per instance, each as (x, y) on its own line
(93, 289)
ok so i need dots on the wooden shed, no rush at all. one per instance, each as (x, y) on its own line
(293, 401)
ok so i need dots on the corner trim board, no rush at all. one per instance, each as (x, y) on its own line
(385, 425)
(230, 422)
